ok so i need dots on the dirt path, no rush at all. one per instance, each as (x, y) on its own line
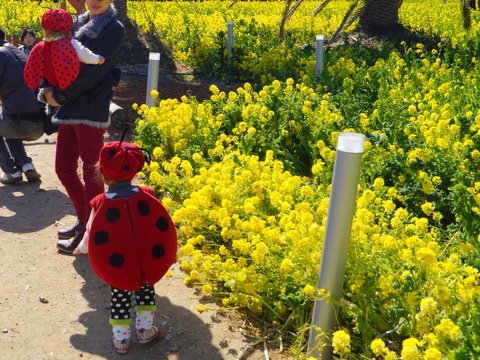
(52, 306)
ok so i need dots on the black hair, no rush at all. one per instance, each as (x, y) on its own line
(2, 34)
(25, 32)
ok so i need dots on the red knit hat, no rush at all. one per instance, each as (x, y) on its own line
(121, 161)
(57, 20)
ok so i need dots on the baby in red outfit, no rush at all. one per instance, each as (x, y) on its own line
(58, 57)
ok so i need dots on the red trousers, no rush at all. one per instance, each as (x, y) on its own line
(82, 142)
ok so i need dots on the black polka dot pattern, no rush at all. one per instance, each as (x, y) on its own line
(60, 69)
(121, 301)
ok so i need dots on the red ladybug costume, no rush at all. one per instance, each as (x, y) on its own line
(57, 61)
(132, 240)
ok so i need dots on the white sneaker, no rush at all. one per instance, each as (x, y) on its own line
(14, 178)
(30, 172)
(145, 336)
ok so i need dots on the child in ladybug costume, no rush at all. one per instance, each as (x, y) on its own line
(58, 57)
(131, 242)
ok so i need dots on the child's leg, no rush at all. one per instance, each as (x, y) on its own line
(120, 318)
(145, 300)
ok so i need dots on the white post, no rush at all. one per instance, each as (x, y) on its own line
(319, 55)
(230, 37)
(152, 80)
(346, 173)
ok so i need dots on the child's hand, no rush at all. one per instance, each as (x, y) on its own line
(77, 251)
(101, 59)
(49, 98)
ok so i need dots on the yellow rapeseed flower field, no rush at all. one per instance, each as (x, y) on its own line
(247, 174)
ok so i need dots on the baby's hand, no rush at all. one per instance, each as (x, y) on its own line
(101, 59)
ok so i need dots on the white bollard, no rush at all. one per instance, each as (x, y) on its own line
(230, 37)
(152, 80)
(346, 173)
(319, 43)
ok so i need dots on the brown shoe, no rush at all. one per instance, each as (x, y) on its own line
(70, 232)
(71, 244)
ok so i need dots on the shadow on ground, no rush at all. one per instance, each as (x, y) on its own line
(28, 207)
(185, 335)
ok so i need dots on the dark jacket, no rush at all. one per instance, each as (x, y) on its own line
(87, 99)
(15, 96)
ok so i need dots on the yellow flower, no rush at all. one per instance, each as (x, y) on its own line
(157, 152)
(207, 289)
(307, 192)
(287, 265)
(214, 89)
(428, 306)
(448, 329)
(196, 157)
(409, 349)
(378, 183)
(249, 288)
(378, 347)
(309, 290)
(341, 342)
(432, 354)
(426, 255)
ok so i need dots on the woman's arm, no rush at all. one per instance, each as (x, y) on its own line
(110, 43)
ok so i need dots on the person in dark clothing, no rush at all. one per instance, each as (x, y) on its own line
(29, 40)
(20, 116)
(83, 113)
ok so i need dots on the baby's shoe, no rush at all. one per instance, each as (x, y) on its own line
(120, 346)
(145, 336)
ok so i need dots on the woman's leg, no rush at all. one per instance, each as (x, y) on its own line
(91, 144)
(66, 167)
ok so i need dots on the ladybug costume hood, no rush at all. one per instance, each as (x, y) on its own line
(57, 20)
(120, 161)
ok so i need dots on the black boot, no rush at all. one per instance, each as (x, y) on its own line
(70, 232)
(71, 244)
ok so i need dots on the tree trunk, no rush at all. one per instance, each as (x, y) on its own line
(380, 15)
(137, 45)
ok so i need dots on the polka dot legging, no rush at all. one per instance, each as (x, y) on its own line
(122, 300)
